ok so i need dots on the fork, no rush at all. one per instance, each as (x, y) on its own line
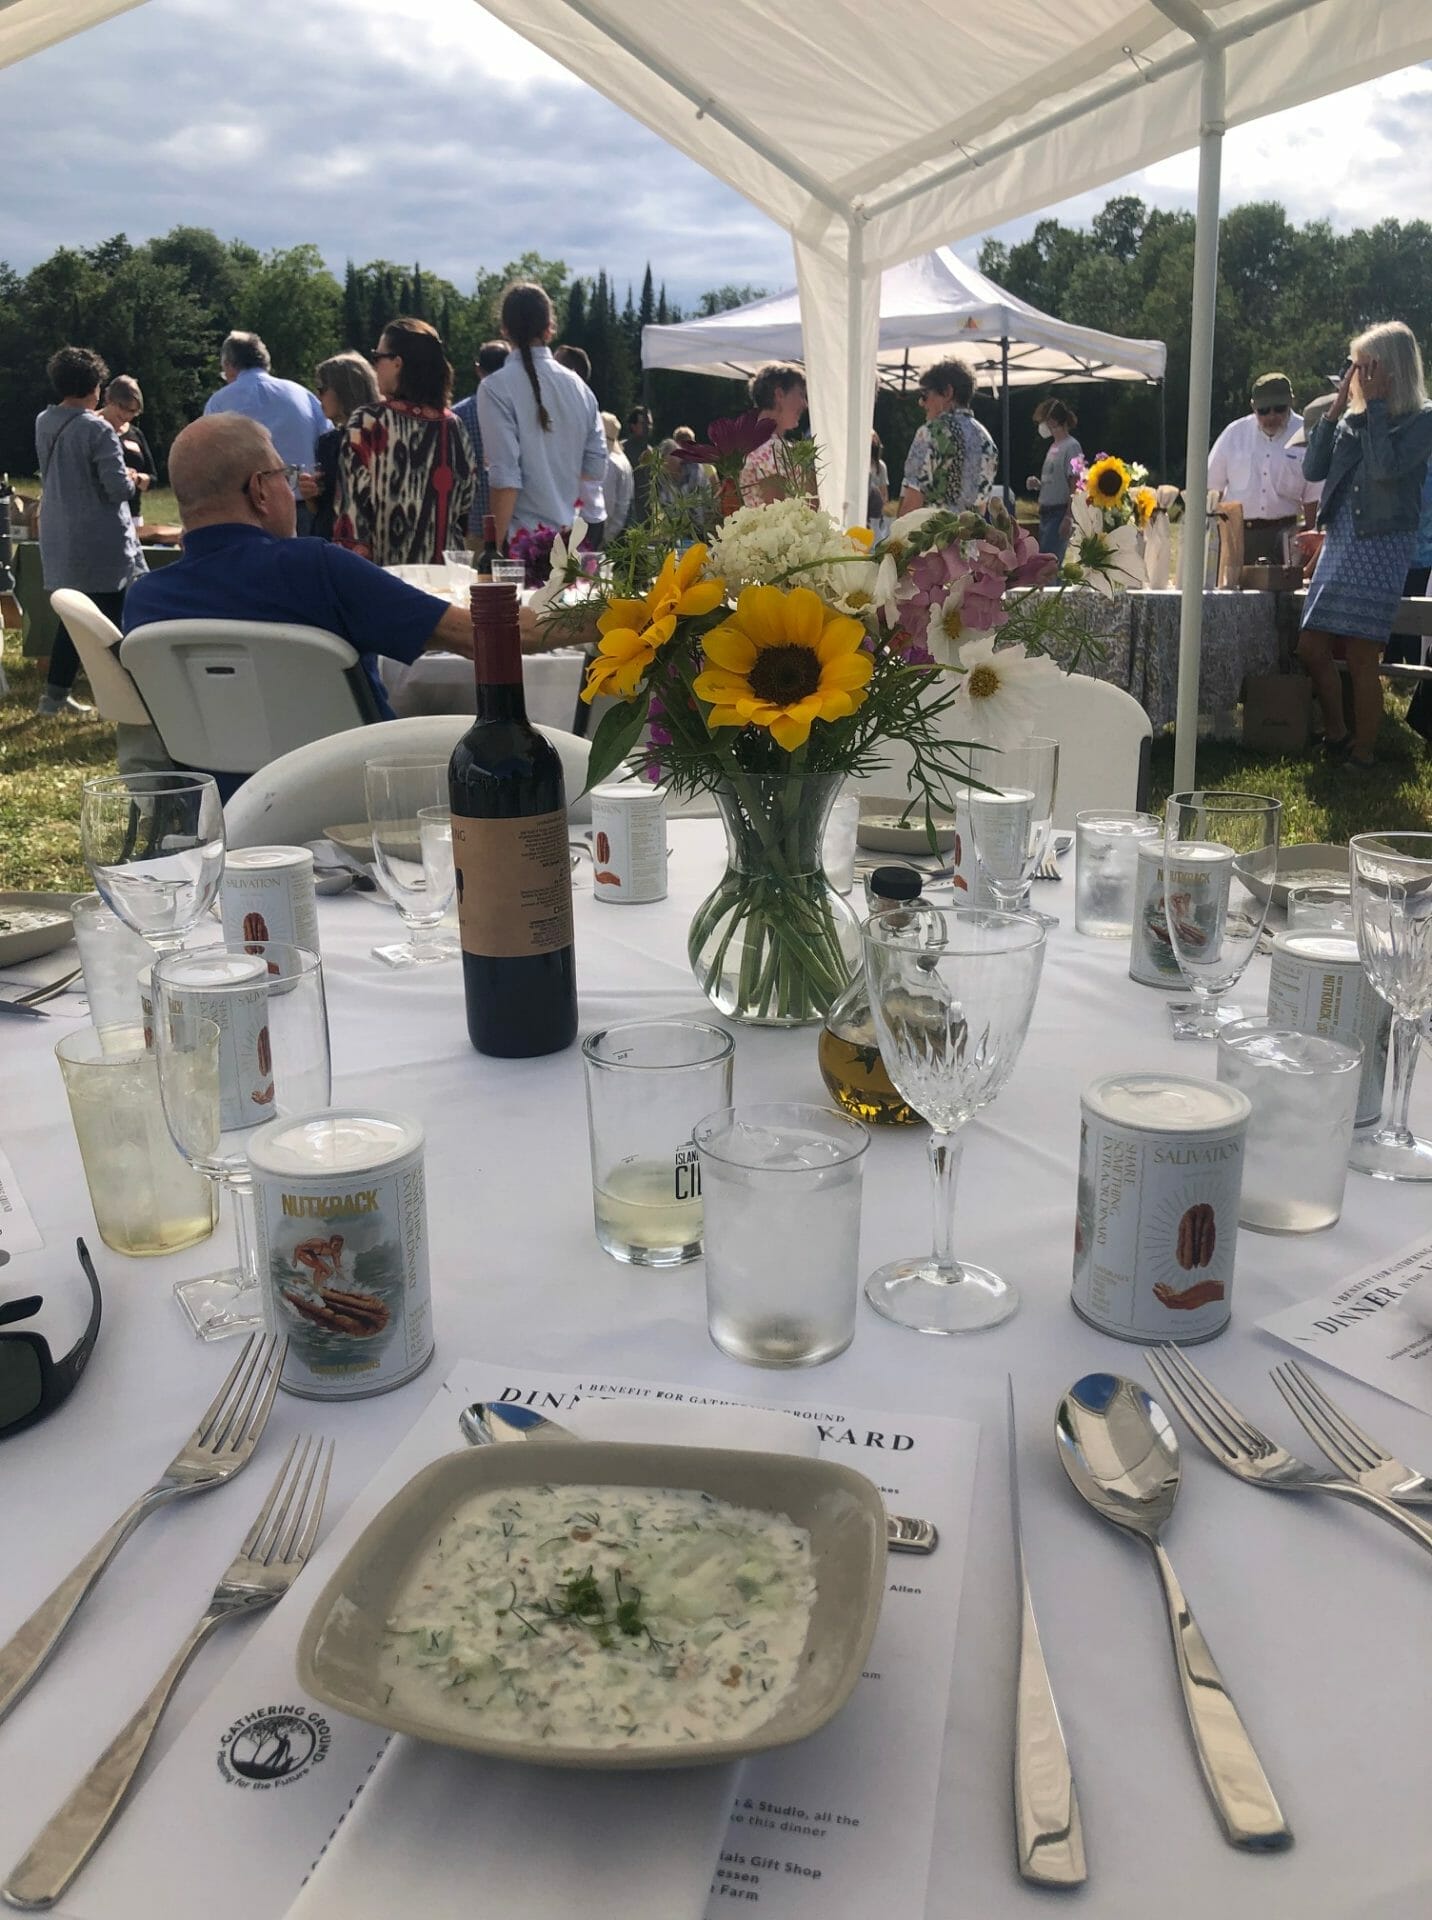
(1048, 868)
(1246, 1452)
(265, 1567)
(1351, 1450)
(218, 1448)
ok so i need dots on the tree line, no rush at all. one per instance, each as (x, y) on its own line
(1288, 297)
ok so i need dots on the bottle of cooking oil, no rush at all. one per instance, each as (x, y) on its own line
(849, 1052)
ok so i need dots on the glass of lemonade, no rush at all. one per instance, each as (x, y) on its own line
(648, 1083)
(782, 1186)
(146, 1196)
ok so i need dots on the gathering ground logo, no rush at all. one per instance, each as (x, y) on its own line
(273, 1747)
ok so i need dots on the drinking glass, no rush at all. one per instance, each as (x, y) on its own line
(1010, 822)
(111, 955)
(154, 845)
(648, 1083)
(1303, 1088)
(1320, 909)
(1106, 847)
(951, 991)
(509, 573)
(1392, 906)
(146, 1198)
(265, 1003)
(780, 1185)
(1220, 862)
(398, 791)
(837, 849)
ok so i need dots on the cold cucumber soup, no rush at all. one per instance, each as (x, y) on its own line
(604, 1616)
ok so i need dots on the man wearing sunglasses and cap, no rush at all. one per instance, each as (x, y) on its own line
(1254, 465)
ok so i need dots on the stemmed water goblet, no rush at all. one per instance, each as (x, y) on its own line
(1220, 863)
(241, 1036)
(398, 792)
(1012, 818)
(951, 991)
(154, 846)
(1392, 910)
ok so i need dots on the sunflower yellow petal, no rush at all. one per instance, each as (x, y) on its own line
(840, 635)
(760, 614)
(717, 685)
(729, 647)
(704, 597)
(791, 730)
(623, 613)
(725, 717)
(851, 670)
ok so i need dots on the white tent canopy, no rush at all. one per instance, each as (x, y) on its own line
(929, 308)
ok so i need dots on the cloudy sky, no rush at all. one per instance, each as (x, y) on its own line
(423, 129)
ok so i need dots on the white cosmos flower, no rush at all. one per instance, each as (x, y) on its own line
(563, 551)
(869, 588)
(1001, 691)
(1107, 557)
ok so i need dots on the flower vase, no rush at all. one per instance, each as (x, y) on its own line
(775, 945)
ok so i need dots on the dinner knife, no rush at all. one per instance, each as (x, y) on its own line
(497, 1422)
(1049, 1836)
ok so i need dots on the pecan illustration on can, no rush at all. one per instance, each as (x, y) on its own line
(1197, 1237)
(604, 849)
(256, 932)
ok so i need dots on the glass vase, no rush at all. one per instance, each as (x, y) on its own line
(775, 945)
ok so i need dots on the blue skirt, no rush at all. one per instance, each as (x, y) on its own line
(1358, 580)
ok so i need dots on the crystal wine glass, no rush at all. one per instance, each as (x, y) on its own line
(1220, 862)
(951, 991)
(397, 792)
(154, 845)
(1392, 908)
(1011, 820)
(261, 1003)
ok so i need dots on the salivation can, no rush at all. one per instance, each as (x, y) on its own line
(1316, 984)
(628, 842)
(267, 894)
(343, 1249)
(1195, 894)
(1160, 1176)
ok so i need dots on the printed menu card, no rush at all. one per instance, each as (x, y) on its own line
(270, 1803)
(1378, 1327)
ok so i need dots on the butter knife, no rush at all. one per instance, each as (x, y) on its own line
(495, 1422)
(1049, 1836)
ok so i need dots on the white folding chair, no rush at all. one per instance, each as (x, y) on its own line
(138, 747)
(229, 696)
(293, 799)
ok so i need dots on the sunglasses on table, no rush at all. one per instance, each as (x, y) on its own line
(32, 1382)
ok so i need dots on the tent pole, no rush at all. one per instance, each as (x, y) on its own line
(1163, 431)
(1200, 402)
(858, 424)
(1004, 423)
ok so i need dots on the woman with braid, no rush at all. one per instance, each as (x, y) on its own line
(541, 431)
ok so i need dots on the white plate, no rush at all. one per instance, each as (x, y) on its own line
(32, 924)
(882, 830)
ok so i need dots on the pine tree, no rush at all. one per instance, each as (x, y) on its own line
(646, 312)
(578, 325)
(354, 309)
(418, 311)
(663, 312)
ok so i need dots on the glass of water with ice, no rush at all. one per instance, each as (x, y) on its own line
(781, 1184)
(1011, 818)
(648, 1083)
(1304, 1090)
(1106, 847)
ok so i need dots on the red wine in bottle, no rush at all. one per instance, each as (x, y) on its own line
(509, 844)
(489, 547)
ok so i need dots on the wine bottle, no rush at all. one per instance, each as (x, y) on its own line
(509, 844)
(489, 551)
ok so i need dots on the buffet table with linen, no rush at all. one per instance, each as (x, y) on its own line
(1317, 1614)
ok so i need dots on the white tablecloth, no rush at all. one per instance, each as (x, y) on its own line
(443, 683)
(1317, 1615)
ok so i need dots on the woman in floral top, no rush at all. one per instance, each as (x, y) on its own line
(952, 460)
(778, 392)
(405, 469)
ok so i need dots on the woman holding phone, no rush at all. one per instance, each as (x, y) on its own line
(1371, 448)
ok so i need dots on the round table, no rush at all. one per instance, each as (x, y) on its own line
(1317, 1615)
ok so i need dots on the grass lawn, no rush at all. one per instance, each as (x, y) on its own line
(45, 762)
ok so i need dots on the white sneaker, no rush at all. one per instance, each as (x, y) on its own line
(48, 705)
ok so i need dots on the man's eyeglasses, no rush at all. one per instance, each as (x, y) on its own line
(32, 1384)
(1263, 412)
(267, 473)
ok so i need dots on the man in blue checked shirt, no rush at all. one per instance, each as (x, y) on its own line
(491, 358)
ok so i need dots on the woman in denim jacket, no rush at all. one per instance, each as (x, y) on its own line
(1371, 448)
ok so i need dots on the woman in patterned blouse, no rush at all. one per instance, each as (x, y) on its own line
(405, 471)
(952, 460)
(778, 392)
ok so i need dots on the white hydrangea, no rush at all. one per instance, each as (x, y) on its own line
(757, 546)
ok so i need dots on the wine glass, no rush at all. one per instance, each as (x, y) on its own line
(951, 992)
(398, 791)
(241, 1036)
(1011, 820)
(1392, 909)
(154, 845)
(1220, 862)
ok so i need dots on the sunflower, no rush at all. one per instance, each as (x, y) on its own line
(634, 631)
(782, 661)
(1143, 500)
(1107, 481)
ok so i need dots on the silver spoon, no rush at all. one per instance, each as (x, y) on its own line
(493, 1423)
(1121, 1454)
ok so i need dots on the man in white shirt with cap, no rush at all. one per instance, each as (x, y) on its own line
(1253, 465)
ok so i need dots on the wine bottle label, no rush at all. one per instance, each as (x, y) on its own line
(514, 885)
